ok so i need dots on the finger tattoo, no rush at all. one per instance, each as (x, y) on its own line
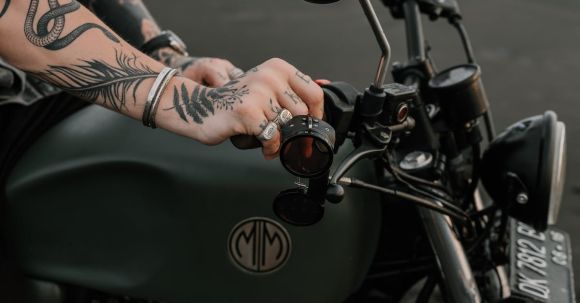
(303, 77)
(264, 124)
(274, 108)
(293, 97)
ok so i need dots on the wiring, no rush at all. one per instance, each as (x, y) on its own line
(460, 216)
(442, 200)
(486, 231)
(476, 162)
(441, 189)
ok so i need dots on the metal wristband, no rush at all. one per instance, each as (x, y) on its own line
(155, 93)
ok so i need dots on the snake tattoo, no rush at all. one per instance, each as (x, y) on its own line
(51, 39)
(5, 8)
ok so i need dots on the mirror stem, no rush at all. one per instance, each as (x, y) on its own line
(381, 39)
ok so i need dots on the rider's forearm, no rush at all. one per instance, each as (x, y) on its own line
(133, 22)
(71, 48)
(86, 58)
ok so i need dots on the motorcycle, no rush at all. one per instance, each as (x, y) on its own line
(386, 204)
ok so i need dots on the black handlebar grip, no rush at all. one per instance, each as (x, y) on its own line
(339, 100)
(245, 142)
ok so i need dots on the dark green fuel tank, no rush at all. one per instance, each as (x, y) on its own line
(102, 202)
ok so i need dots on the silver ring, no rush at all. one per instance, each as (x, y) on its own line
(235, 73)
(268, 132)
(283, 117)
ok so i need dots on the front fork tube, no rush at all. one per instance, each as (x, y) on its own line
(456, 275)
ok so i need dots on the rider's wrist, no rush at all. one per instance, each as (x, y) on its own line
(170, 58)
(167, 118)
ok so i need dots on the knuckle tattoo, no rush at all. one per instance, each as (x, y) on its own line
(295, 99)
(303, 77)
(274, 108)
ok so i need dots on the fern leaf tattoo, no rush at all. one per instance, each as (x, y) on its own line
(176, 104)
(203, 102)
(188, 104)
(98, 80)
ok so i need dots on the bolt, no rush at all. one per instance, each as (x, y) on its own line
(522, 198)
(384, 135)
(416, 160)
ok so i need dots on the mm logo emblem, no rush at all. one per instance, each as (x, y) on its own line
(259, 245)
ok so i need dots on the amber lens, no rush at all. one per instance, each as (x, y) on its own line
(306, 156)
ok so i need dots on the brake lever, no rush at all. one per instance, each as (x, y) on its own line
(374, 144)
(335, 191)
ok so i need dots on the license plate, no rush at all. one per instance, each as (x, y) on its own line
(540, 265)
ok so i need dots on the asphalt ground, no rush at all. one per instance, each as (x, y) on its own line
(528, 49)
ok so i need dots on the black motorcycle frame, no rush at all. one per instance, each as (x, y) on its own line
(374, 140)
(457, 276)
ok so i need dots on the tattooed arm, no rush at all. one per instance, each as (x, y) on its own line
(67, 45)
(133, 22)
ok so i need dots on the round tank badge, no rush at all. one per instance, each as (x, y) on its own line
(259, 245)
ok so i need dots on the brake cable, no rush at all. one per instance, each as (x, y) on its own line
(396, 173)
(460, 216)
(424, 182)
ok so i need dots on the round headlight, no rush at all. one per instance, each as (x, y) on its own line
(523, 169)
(558, 152)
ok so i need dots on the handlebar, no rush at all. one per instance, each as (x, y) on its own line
(339, 101)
